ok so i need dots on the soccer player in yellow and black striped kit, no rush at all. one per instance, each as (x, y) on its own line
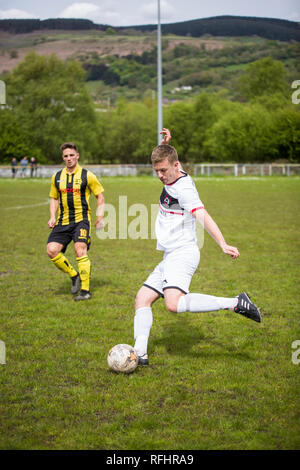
(70, 192)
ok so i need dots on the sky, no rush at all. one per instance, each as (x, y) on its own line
(137, 12)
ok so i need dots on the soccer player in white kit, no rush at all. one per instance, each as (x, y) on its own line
(180, 208)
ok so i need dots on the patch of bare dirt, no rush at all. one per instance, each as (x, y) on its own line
(77, 45)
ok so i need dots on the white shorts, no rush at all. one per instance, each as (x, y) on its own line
(175, 270)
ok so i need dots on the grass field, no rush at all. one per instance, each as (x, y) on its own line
(215, 380)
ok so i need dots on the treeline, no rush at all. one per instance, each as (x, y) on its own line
(48, 103)
(271, 28)
(16, 26)
(282, 30)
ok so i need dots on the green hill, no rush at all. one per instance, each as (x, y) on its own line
(233, 26)
(122, 63)
(270, 28)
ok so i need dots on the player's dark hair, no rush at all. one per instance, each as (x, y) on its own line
(164, 151)
(68, 145)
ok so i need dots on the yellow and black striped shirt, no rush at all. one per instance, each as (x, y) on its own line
(73, 192)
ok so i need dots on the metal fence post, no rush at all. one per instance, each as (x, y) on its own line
(270, 170)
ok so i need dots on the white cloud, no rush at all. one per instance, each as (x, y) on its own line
(80, 10)
(106, 13)
(294, 16)
(112, 12)
(149, 11)
(16, 14)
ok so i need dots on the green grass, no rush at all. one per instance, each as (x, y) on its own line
(215, 380)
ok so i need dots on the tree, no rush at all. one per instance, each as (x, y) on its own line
(51, 105)
(128, 132)
(13, 141)
(263, 77)
(286, 131)
(203, 117)
(243, 134)
(179, 119)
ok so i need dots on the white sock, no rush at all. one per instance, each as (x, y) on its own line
(142, 325)
(204, 303)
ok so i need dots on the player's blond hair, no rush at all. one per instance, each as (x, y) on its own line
(164, 151)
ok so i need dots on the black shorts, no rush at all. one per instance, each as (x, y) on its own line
(64, 234)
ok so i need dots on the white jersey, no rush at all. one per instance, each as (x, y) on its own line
(175, 225)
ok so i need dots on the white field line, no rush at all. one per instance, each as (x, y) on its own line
(27, 206)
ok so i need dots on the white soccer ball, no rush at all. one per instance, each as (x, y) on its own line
(122, 358)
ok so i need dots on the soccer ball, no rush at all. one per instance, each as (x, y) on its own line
(122, 358)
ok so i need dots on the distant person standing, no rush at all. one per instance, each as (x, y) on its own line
(14, 167)
(24, 163)
(33, 167)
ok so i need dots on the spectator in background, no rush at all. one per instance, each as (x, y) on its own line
(33, 167)
(24, 163)
(14, 165)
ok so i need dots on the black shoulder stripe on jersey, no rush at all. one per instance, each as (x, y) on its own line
(82, 193)
(56, 180)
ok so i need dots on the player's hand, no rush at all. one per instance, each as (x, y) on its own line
(99, 224)
(231, 251)
(166, 136)
(51, 222)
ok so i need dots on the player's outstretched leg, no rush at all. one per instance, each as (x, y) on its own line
(206, 303)
(247, 308)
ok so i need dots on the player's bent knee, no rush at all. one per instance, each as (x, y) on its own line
(80, 253)
(172, 297)
(80, 250)
(171, 305)
(52, 250)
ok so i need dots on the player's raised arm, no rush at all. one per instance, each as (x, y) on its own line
(203, 217)
(166, 136)
(166, 140)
